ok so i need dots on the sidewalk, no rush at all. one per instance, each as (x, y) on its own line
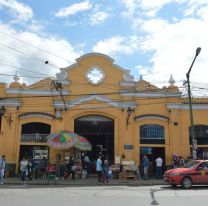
(90, 181)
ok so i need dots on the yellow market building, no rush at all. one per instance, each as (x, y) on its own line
(101, 101)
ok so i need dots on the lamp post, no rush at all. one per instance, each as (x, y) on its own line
(2, 111)
(129, 112)
(194, 143)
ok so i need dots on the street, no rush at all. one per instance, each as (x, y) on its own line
(18, 195)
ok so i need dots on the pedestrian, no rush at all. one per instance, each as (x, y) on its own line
(70, 169)
(105, 170)
(2, 168)
(138, 172)
(159, 162)
(99, 168)
(23, 169)
(58, 166)
(29, 168)
(88, 164)
(44, 167)
(146, 164)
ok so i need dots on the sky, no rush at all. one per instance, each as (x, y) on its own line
(152, 38)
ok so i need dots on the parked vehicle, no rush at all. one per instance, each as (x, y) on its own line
(192, 173)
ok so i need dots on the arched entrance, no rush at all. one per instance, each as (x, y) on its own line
(33, 141)
(99, 130)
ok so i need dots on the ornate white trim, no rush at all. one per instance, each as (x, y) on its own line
(10, 103)
(35, 92)
(127, 76)
(95, 54)
(36, 114)
(62, 77)
(186, 106)
(150, 94)
(151, 116)
(127, 83)
(121, 68)
(117, 104)
(99, 69)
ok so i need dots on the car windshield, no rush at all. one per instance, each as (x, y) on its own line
(191, 164)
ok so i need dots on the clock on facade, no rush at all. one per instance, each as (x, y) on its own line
(95, 75)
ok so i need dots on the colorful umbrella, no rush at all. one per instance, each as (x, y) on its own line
(83, 144)
(62, 139)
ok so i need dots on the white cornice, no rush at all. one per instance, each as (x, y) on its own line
(120, 68)
(150, 94)
(79, 101)
(35, 92)
(36, 114)
(186, 106)
(151, 116)
(10, 102)
(95, 54)
(128, 83)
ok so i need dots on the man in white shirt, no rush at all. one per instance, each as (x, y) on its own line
(99, 168)
(159, 162)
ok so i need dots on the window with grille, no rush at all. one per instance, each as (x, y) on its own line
(201, 134)
(152, 131)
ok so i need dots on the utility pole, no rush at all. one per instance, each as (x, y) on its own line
(193, 139)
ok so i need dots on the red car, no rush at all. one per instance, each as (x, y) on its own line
(194, 172)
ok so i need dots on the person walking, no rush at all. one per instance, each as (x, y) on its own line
(159, 162)
(105, 171)
(88, 164)
(146, 164)
(99, 168)
(2, 168)
(29, 168)
(138, 172)
(23, 169)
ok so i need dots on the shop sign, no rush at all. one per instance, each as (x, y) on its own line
(128, 147)
(40, 153)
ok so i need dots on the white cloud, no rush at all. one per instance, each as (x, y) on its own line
(171, 46)
(19, 10)
(203, 13)
(74, 8)
(52, 44)
(142, 7)
(98, 17)
(174, 48)
(35, 26)
(152, 6)
(117, 45)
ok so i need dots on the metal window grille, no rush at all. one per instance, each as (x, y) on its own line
(152, 131)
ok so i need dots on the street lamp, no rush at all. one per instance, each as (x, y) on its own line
(194, 143)
(2, 111)
(129, 112)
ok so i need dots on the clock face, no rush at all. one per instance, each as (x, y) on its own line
(95, 75)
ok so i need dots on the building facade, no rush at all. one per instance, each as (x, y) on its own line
(101, 101)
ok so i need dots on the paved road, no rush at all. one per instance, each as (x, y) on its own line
(18, 195)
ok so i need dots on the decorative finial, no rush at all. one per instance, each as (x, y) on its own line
(171, 80)
(141, 77)
(16, 77)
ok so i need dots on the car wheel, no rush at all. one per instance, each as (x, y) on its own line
(186, 183)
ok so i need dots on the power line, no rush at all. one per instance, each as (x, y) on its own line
(7, 65)
(11, 75)
(39, 59)
(34, 46)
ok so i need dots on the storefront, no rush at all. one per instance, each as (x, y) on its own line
(101, 101)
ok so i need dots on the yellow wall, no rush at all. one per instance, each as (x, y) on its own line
(176, 136)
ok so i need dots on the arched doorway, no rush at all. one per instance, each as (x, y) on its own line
(33, 141)
(99, 130)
